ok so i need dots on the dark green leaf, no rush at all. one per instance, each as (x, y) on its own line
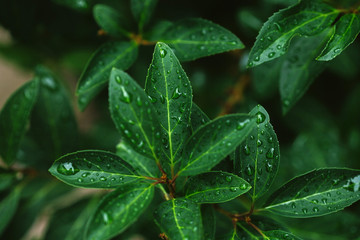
(300, 68)
(6, 179)
(118, 210)
(134, 115)
(212, 142)
(208, 221)
(316, 193)
(8, 207)
(96, 74)
(143, 165)
(307, 18)
(158, 30)
(53, 128)
(215, 187)
(14, 118)
(195, 38)
(79, 5)
(142, 11)
(280, 235)
(170, 92)
(110, 20)
(346, 31)
(179, 219)
(93, 169)
(197, 117)
(257, 158)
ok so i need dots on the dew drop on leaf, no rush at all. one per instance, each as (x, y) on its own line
(270, 153)
(163, 53)
(258, 142)
(118, 79)
(315, 209)
(176, 94)
(246, 150)
(125, 96)
(102, 178)
(228, 178)
(233, 189)
(67, 168)
(272, 54)
(304, 210)
(243, 186)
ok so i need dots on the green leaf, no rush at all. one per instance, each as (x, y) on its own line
(316, 193)
(53, 128)
(212, 142)
(215, 187)
(346, 31)
(79, 5)
(197, 117)
(170, 92)
(8, 207)
(6, 179)
(300, 68)
(307, 18)
(179, 219)
(118, 210)
(133, 115)
(158, 30)
(14, 118)
(208, 221)
(257, 158)
(195, 38)
(143, 165)
(93, 169)
(96, 73)
(110, 20)
(142, 11)
(280, 235)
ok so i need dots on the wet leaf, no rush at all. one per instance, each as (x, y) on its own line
(197, 117)
(215, 187)
(307, 18)
(179, 219)
(142, 11)
(134, 115)
(194, 38)
(8, 206)
(53, 128)
(300, 68)
(316, 193)
(208, 221)
(93, 169)
(170, 92)
(14, 117)
(346, 31)
(110, 20)
(96, 73)
(118, 210)
(257, 158)
(213, 142)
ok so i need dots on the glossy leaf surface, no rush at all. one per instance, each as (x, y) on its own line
(346, 31)
(208, 221)
(118, 210)
(142, 11)
(96, 74)
(179, 219)
(197, 117)
(316, 193)
(307, 18)
(257, 159)
(170, 92)
(111, 21)
(133, 115)
(215, 187)
(53, 128)
(143, 165)
(93, 169)
(14, 117)
(8, 206)
(300, 68)
(213, 142)
(195, 38)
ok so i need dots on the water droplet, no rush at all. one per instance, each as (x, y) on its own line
(249, 171)
(286, 103)
(258, 142)
(268, 167)
(257, 58)
(152, 99)
(163, 53)
(79, 180)
(126, 96)
(138, 101)
(233, 189)
(176, 94)
(304, 210)
(315, 201)
(228, 178)
(85, 175)
(243, 186)
(269, 38)
(272, 54)
(270, 153)
(260, 117)
(118, 79)
(48, 82)
(227, 122)
(337, 50)
(324, 200)
(315, 209)
(241, 125)
(278, 47)
(293, 205)
(270, 140)
(106, 217)
(67, 168)
(246, 150)
(102, 178)
(127, 133)
(278, 26)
